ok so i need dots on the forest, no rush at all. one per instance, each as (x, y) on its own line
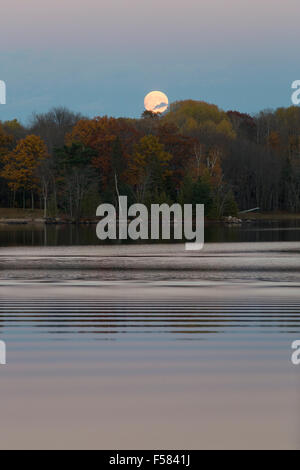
(67, 164)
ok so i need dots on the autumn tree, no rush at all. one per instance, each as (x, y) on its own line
(150, 115)
(243, 125)
(6, 141)
(207, 180)
(148, 167)
(53, 126)
(202, 120)
(15, 130)
(181, 148)
(273, 141)
(100, 134)
(75, 176)
(195, 151)
(21, 164)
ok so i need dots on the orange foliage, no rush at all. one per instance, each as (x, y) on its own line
(20, 165)
(207, 165)
(273, 141)
(5, 140)
(99, 134)
(148, 165)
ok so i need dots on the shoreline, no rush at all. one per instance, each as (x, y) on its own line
(243, 220)
(270, 216)
(29, 217)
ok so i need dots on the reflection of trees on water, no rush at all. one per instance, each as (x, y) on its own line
(72, 234)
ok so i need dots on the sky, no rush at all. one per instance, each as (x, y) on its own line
(102, 57)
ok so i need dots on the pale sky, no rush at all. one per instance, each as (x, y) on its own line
(103, 57)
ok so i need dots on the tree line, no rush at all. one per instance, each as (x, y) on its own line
(67, 164)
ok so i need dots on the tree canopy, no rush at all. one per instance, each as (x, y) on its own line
(195, 152)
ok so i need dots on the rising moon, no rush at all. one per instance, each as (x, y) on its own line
(156, 102)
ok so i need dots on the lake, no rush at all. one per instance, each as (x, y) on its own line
(70, 235)
(150, 346)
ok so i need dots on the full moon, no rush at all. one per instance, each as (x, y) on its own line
(156, 102)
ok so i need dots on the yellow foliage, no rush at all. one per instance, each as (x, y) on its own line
(197, 117)
(21, 165)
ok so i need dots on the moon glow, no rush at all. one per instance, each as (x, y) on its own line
(156, 102)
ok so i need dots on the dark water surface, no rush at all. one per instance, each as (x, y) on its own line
(70, 235)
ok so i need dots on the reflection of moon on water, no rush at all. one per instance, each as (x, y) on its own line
(156, 102)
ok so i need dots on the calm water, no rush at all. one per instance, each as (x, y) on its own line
(70, 235)
(151, 346)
